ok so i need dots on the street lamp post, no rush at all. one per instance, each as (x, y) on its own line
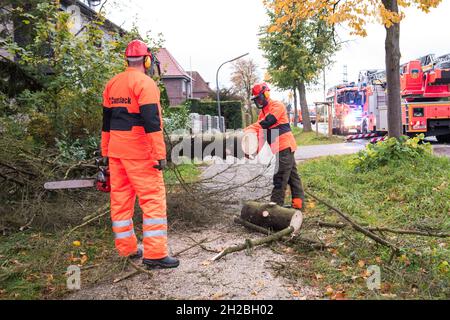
(218, 91)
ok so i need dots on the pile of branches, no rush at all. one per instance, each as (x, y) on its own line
(25, 169)
(23, 172)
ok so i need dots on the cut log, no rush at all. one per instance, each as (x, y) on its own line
(271, 216)
(250, 143)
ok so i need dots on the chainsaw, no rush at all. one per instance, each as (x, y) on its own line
(101, 182)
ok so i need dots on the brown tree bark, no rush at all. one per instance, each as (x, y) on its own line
(304, 107)
(295, 107)
(267, 215)
(392, 48)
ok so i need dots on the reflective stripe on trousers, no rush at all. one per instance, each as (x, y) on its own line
(155, 227)
(131, 178)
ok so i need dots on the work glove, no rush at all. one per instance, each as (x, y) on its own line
(102, 161)
(162, 164)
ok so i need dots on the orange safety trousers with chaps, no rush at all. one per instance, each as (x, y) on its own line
(128, 179)
(132, 139)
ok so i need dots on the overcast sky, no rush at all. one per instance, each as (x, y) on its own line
(206, 33)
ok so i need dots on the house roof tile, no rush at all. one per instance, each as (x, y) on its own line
(200, 85)
(169, 66)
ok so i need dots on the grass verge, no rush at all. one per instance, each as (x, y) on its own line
(311, 138)
(399, 196)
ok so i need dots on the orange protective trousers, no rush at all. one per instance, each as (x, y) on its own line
(128, 179)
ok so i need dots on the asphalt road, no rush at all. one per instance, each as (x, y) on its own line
(310, 152)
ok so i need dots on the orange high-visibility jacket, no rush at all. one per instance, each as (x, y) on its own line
(273, 126)
(132, 119)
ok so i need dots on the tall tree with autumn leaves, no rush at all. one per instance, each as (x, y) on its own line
(356, 14)
(297, 51)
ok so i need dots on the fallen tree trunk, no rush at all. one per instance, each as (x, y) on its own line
(202, 145)
(268, 215)
(253, 243)
(252, 226)
(312, 243)
(264, 216)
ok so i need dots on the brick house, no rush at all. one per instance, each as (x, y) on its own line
(176, 80)
(201, 89)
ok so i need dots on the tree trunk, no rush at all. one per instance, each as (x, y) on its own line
(392, 47)
(267, 215)
(304, 107)
(295, 108)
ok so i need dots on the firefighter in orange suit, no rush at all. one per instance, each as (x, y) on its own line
(132, 139)
(273, 126)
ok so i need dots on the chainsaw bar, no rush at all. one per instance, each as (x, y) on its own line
(69, 184)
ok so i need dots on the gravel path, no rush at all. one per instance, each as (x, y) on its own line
(240, 275)
(237, 276)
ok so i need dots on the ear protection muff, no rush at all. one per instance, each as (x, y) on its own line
(147, 62)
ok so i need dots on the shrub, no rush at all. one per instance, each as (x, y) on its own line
(231, 111)
(176, 118)
(391, 150)
(78, 149)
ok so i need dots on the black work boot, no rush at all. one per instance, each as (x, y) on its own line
(167, 262)
(139, 253)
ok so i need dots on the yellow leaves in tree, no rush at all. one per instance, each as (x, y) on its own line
(354, 13)
(389, 18)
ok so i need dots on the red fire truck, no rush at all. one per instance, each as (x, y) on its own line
(347, 108)
(425, 91)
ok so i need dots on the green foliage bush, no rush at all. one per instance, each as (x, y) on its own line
(380, 154)
(71, 71)
(231, 111)
(78, 150)
(176, 118)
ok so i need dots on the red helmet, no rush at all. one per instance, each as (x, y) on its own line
(258, 89)
(137, 48)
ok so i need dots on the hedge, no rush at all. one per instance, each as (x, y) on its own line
(231, 111)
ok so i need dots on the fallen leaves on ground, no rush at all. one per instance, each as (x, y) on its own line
(76, 243)
(318, 276)
(206, 263)
(339, 295)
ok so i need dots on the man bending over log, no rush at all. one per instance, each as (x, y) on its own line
(273, 126)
